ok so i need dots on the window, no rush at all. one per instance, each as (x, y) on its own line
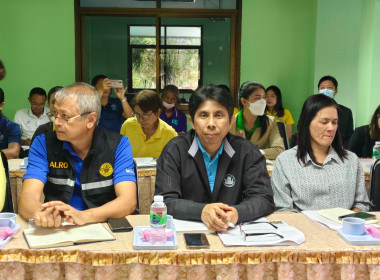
(180, 57)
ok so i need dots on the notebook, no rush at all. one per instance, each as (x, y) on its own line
(40, 237)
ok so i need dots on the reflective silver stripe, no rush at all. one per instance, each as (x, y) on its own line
(59, 181)
(228, 148)
(96, 185)
(194, 147)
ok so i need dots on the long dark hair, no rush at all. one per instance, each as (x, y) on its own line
(374, 129)
(246, 89)
(310, 108)
(278, 108)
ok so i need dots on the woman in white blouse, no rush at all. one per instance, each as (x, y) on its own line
(318, 173)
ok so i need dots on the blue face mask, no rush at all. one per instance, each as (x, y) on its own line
(327, 92)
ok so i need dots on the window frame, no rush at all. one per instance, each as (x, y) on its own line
(162, 48)
(235, 34)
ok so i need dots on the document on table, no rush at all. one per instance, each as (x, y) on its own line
(145, 162)
(182, 226)
(261, 233)
(330, 217)
(322, 220)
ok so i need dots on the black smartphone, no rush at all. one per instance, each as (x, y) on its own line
(119, 225)
(196, 241)
(361, 215)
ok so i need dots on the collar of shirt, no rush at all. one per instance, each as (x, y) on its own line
(240, 125)
(156, 134)
(331, 155)
(206, 155)
(42, 115)
(173, 115)
(211, 164)
(66, 146)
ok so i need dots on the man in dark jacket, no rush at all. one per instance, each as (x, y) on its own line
(328, 86)
(209, 174)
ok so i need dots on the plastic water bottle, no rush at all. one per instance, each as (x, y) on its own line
(158, 215)
(376, 151)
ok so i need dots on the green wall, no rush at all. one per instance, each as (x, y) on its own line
(337, 47)
(348, 48)
(37, 48)
(287, 43)
(277, 47)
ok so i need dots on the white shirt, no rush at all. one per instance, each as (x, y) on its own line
(29, 122)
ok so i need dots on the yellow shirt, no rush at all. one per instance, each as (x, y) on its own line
(236, 110)
(151, 148)
(287, 117)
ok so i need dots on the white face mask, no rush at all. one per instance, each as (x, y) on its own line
(167, 105)
(257, 108)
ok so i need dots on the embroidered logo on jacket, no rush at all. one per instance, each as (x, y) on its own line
(106, 169)
(229, 180)
(55, 164)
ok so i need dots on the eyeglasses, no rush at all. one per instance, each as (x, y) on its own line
(247, 233)
(66, 119)
(144, 117)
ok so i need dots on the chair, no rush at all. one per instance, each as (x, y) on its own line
(137, 211)
(8, 203)
(374, 191)
(282, 129)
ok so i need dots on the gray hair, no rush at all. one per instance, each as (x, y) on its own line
(87, 97)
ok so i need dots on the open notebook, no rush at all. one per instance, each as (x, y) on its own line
(66, 236)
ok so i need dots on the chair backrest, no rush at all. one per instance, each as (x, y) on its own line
(8, 203)
(137, 211)
(374, 196)
(282, 129)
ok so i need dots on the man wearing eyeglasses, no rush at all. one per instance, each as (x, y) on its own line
(85, 172)
(31, 118)
(210, 175)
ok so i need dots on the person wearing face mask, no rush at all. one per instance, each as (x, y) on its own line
(170, 114)
(252, 124)
(328, 86)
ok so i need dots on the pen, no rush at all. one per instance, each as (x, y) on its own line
(230, 224)
(32, 220)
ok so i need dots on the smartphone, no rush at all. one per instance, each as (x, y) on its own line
(361, 215)
(196, 241)
(119, 225)
(116, 83)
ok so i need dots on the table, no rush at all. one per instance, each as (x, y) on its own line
(322, 256)
(146, 178)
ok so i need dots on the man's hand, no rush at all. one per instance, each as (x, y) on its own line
(215, 215)
(105, 85)
(48, 217)
(26, 141)
(120, 92)
(71, 214)
(233, 214)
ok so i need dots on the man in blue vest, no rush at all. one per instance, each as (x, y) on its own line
(85, 172)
